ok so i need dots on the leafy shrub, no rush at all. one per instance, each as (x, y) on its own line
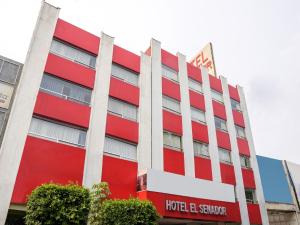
(52, 204)
(128, 212)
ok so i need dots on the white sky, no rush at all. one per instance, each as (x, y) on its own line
(256, 44)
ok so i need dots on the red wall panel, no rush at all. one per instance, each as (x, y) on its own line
(203, 168)
(45, 161)
(63, 110)
(159, 200)
(172, 122)
(197, 100)
(227, 174)
(200, 132)
(76, 36)
(121, 176)
(223, 139)
(173, 161)
(124, 91)
(122, 128)
(248, 178)
(194, 72)
(170, 89)
(243, 146)
(69, 70)
(233, 93)
(238, 118)
(126, 58)
(169, 60)
(219, 110)
(215, 83)
(254, 213)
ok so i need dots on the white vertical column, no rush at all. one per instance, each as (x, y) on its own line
(235, 156)
(96, 133)
(253, 160)
(157, 120)
(210, 121)
(187, 136)
(22, 108)
(144, 146)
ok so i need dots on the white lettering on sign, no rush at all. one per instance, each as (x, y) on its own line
(194, 208)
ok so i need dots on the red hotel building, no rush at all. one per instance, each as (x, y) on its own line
(152, 125)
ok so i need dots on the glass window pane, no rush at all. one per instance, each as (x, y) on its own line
(73, 53)
(195, 85)
(122, 109)
(217, 96)
(172, 140)
(62, 88)
(2, 118)
(220, 124)
(224, 155)
(120, 148)
(171, 104)
(240, 131)
(124, 74)
(57, 132)
(197, 115)
(235, 105)
(169, 72)
(200, 149)
(8, 72)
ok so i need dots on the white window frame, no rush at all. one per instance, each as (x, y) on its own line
(169, 73)
(122, 104)
(199, 89)
(167, 99)
(120, 151)
(193, 109)
(238, 134)
(222, 121)
(203, 145)
(245, 161)
(217, 96)
(119, 76)
(73, 59)
(254, 198)
(235, 102)
(225, 151)
(171, 136)
(57, 139)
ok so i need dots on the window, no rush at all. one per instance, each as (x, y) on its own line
(224, 155)
(172, 140)
(235, 105)
(197, 115)
(122, 109)
(124, 74)
(57, 132)
(217, 96)
(73, 53)
(120, 148)
(220, 124)
(200, 149)
(250, 195)
(195, 85)
(240, 131)
(169, 73)
(171, 104)
(8, 71)
(65, 89)
(2, 119)
(245, 161)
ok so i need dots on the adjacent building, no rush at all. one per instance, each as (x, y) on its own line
(151, 125)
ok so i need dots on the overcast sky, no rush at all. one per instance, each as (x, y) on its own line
(256, 45)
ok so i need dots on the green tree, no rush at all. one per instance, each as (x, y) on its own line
(53, 204)
(128, 212)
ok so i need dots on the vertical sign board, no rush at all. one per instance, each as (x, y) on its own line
(6, 92)
(294, 171)
(206, 58)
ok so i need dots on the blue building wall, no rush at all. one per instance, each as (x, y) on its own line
(274, 180)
